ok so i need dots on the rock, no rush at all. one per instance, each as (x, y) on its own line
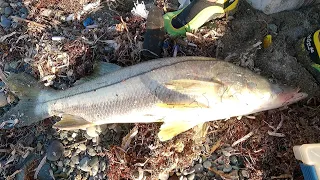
(220, 161)
(227, 168)
(67, 152)
(198, 168)
(60, 164)
(188, 171)
(8, 10)
(99, 149)
(87, 136)
(102, 166)
(235, 167)
(207, 164)
(163, 176)
(83, 164)
(94, 161)
(3, 99)
(63, 134)
(220, 167)
(24, 10)
(74, 135)
(49, 136)
(273, 28)
(54, 150)
(95, 169)
(82, 147)
(233, 160)
(66, 162)
(75, 159)
(213, 156)
(93, 131)
(44, 173)
(191, 176)
(69, 171)
(245, 173)
(70, 139)
(91, 151)
(226, 153)
(5, 22)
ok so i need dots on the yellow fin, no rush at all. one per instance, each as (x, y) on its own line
(169, 130)
(194, 86)
(71, 122)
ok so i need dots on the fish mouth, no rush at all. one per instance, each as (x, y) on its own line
(290, 96)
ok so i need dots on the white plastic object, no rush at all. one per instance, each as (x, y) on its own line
(309, 154)
(275, 6)
(140, 10)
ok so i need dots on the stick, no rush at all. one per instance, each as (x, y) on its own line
(242, 139)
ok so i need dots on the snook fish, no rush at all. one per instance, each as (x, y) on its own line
(182, 92)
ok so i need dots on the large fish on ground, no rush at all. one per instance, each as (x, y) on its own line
(182, 92)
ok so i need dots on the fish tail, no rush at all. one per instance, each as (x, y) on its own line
(28, 110)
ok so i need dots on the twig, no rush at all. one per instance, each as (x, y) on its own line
(42, 162)
(215, 147)
(243, 139)
(28, 21)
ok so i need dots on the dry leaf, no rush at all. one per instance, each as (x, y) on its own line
(215, 147)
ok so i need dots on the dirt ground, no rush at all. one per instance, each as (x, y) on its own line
(232, 39)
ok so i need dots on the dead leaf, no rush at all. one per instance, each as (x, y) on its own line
(127, 139)
(215, 147)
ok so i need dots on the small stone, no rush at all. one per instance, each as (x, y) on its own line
(188, 171)
(191, 176)
(220, 167)
(69, 171)
(93, 131)
(235, 167)
(227, 168)
(54, 150)
(226, 153)
(95, 170)
(60, 164)
(7, 10)
(103, 166)
(87, 136)
(91, 151)
(65, 142)
(49, 136)
(70, 139)
(75, 159)
(220, 161)
(233, 160)
(63, 134)
(207, 164)
(198, 168)
(54, 167)
(99, 149)
(82, 147)
(74, 135)
(83, 164)
(94, 161)
(245, 173)
(213, 156)
(5, 22)
(273, 28)
(44, 172)
(66, 161)
(24, 10)
(39, 146)
(67, 152)
(3, 99)
(163, 176)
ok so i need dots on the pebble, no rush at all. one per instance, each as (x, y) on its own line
(198, 168)
(207, 164)
(66, 161)
(54, 150)
(3, 99)
(60, 164)
(191, 176)
(24, 10)
(70, 139)
(93, 131)
(74, 135)
(75, 159)
(83, 164)
(163, 176)
(82, 147)
(233, 160)
(227, 168)
(44, 172)
(226, 153)
(188, 171)
(94, 161)
(5, 22)
(245, 174)
(87, 136)
(213, 156)
(63, 134)
(273, 28)
(103, 166)
(95, 169)
(220, 167)
(7, 10)
(235, 167)
(91, 151)
(67, 153)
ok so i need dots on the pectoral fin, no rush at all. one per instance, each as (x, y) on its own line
(169, 130)
(71, 122)
(187, 86)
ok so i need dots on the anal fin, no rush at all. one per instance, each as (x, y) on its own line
(169, 130)
(71, 122)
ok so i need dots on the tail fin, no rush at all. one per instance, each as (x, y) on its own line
(26, 112)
